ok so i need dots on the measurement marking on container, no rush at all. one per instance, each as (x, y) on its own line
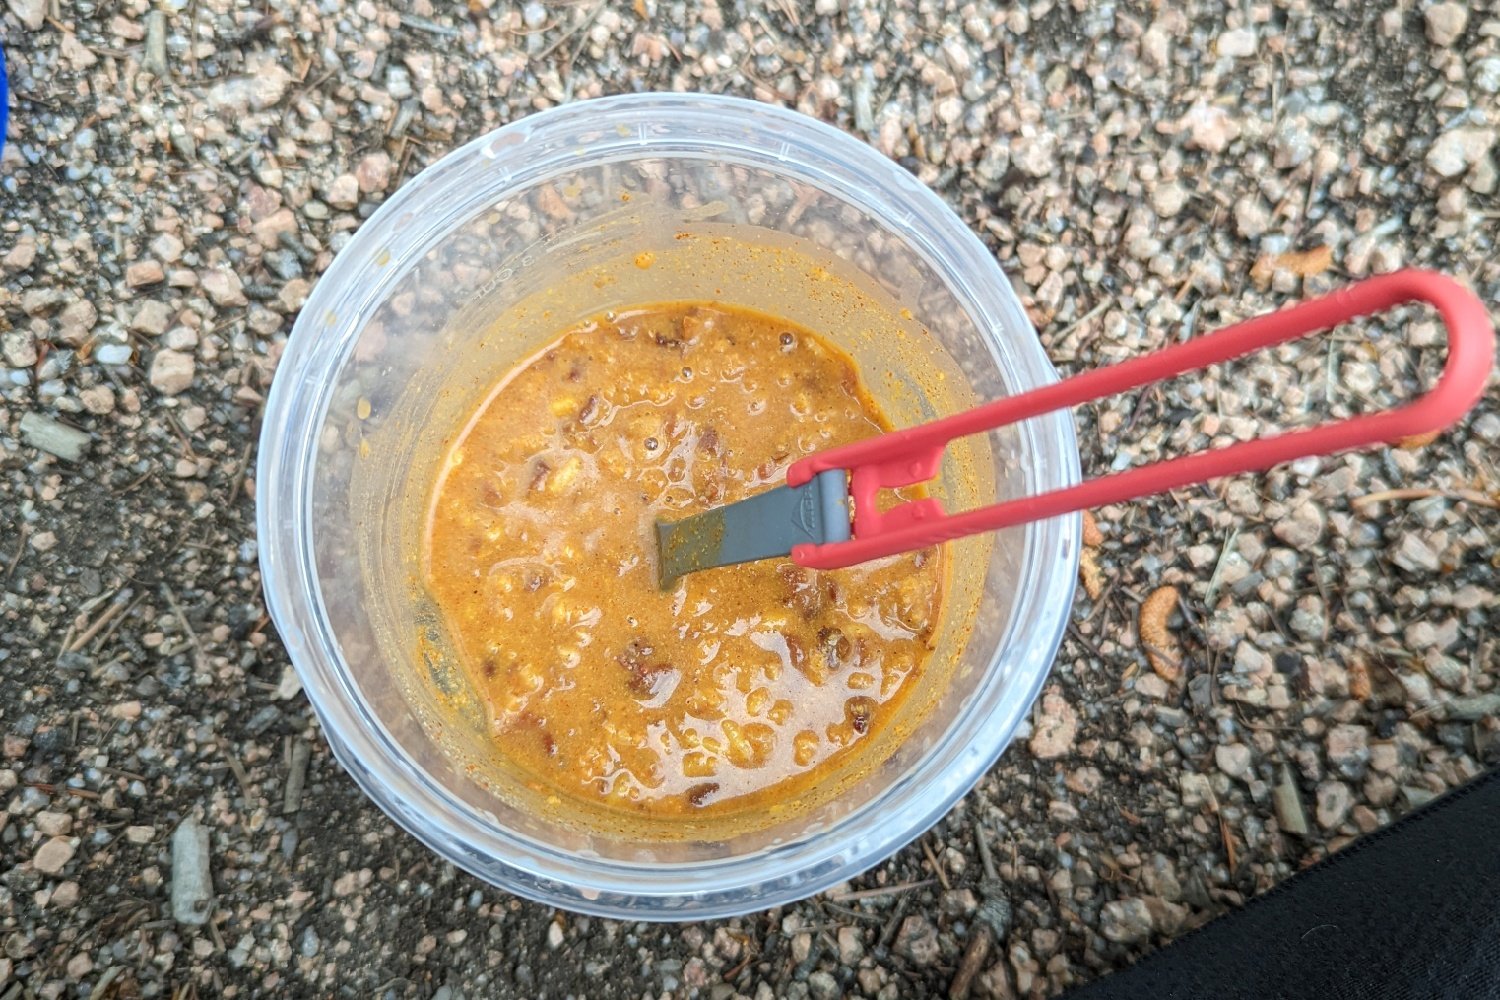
(499, 277)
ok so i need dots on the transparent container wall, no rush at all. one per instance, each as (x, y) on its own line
(459, 300)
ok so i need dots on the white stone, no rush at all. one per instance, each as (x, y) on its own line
(151, 317)
(31, 13)
(1209, 127)
(1415, 555)
(1348, 749)
(1251, 217)
(1457, 149)
(224, 288)
(113, 354)
(1168, 199)
(1302, 528)
(1055, 728)
(19, 348)
(75, 322)
(53, 824)
(1446, 22)
(1334, 801)
(50, 858)
(53, 437)
(192, 883)
(1233, 760)
(171, 372)
(1236, 44)
(343, 192)
(262, 88)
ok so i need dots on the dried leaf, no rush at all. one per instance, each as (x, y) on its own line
(1162, 650)
(1261, 271)
(1090, 575)
(1360, 687)
(1230, 855)
(1306, 263)
(1416, 441)
(1092, 536)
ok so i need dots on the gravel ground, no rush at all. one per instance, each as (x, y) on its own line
(1325, 659)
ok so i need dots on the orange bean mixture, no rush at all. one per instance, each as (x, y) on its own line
(741, 685)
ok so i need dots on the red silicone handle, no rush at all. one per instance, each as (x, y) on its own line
(907, 457)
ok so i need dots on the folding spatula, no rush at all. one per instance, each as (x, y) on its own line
(826, 516)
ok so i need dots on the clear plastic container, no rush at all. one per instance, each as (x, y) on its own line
(483, 258)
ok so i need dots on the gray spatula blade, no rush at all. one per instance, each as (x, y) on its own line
(764, 526)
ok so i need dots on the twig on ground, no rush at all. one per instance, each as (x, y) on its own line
(114, 607)
(1416, 493)
(237, 478)
(15, 560)
(200, 660)
(937, 869)
(238, 770)
(296, 777)
(889, 890)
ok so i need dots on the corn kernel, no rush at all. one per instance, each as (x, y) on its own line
(698, 764)
(805, 747)
(750, 745)
(889, 682)
(563, 476)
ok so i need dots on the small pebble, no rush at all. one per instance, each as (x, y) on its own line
(917, 940)
(53, 855)
(192, 885)
(1055, 727)
(1334, 802)
(1446, 22)
(1125, 920)
(53, 824)
(143, 273)
(114, 354)
(1233, 760)
(54, 437)
(171, 372)
(1236, 44)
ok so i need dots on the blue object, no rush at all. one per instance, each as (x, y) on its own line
(4, 99)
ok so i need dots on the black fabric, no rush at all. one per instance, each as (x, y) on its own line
(1409, 911)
